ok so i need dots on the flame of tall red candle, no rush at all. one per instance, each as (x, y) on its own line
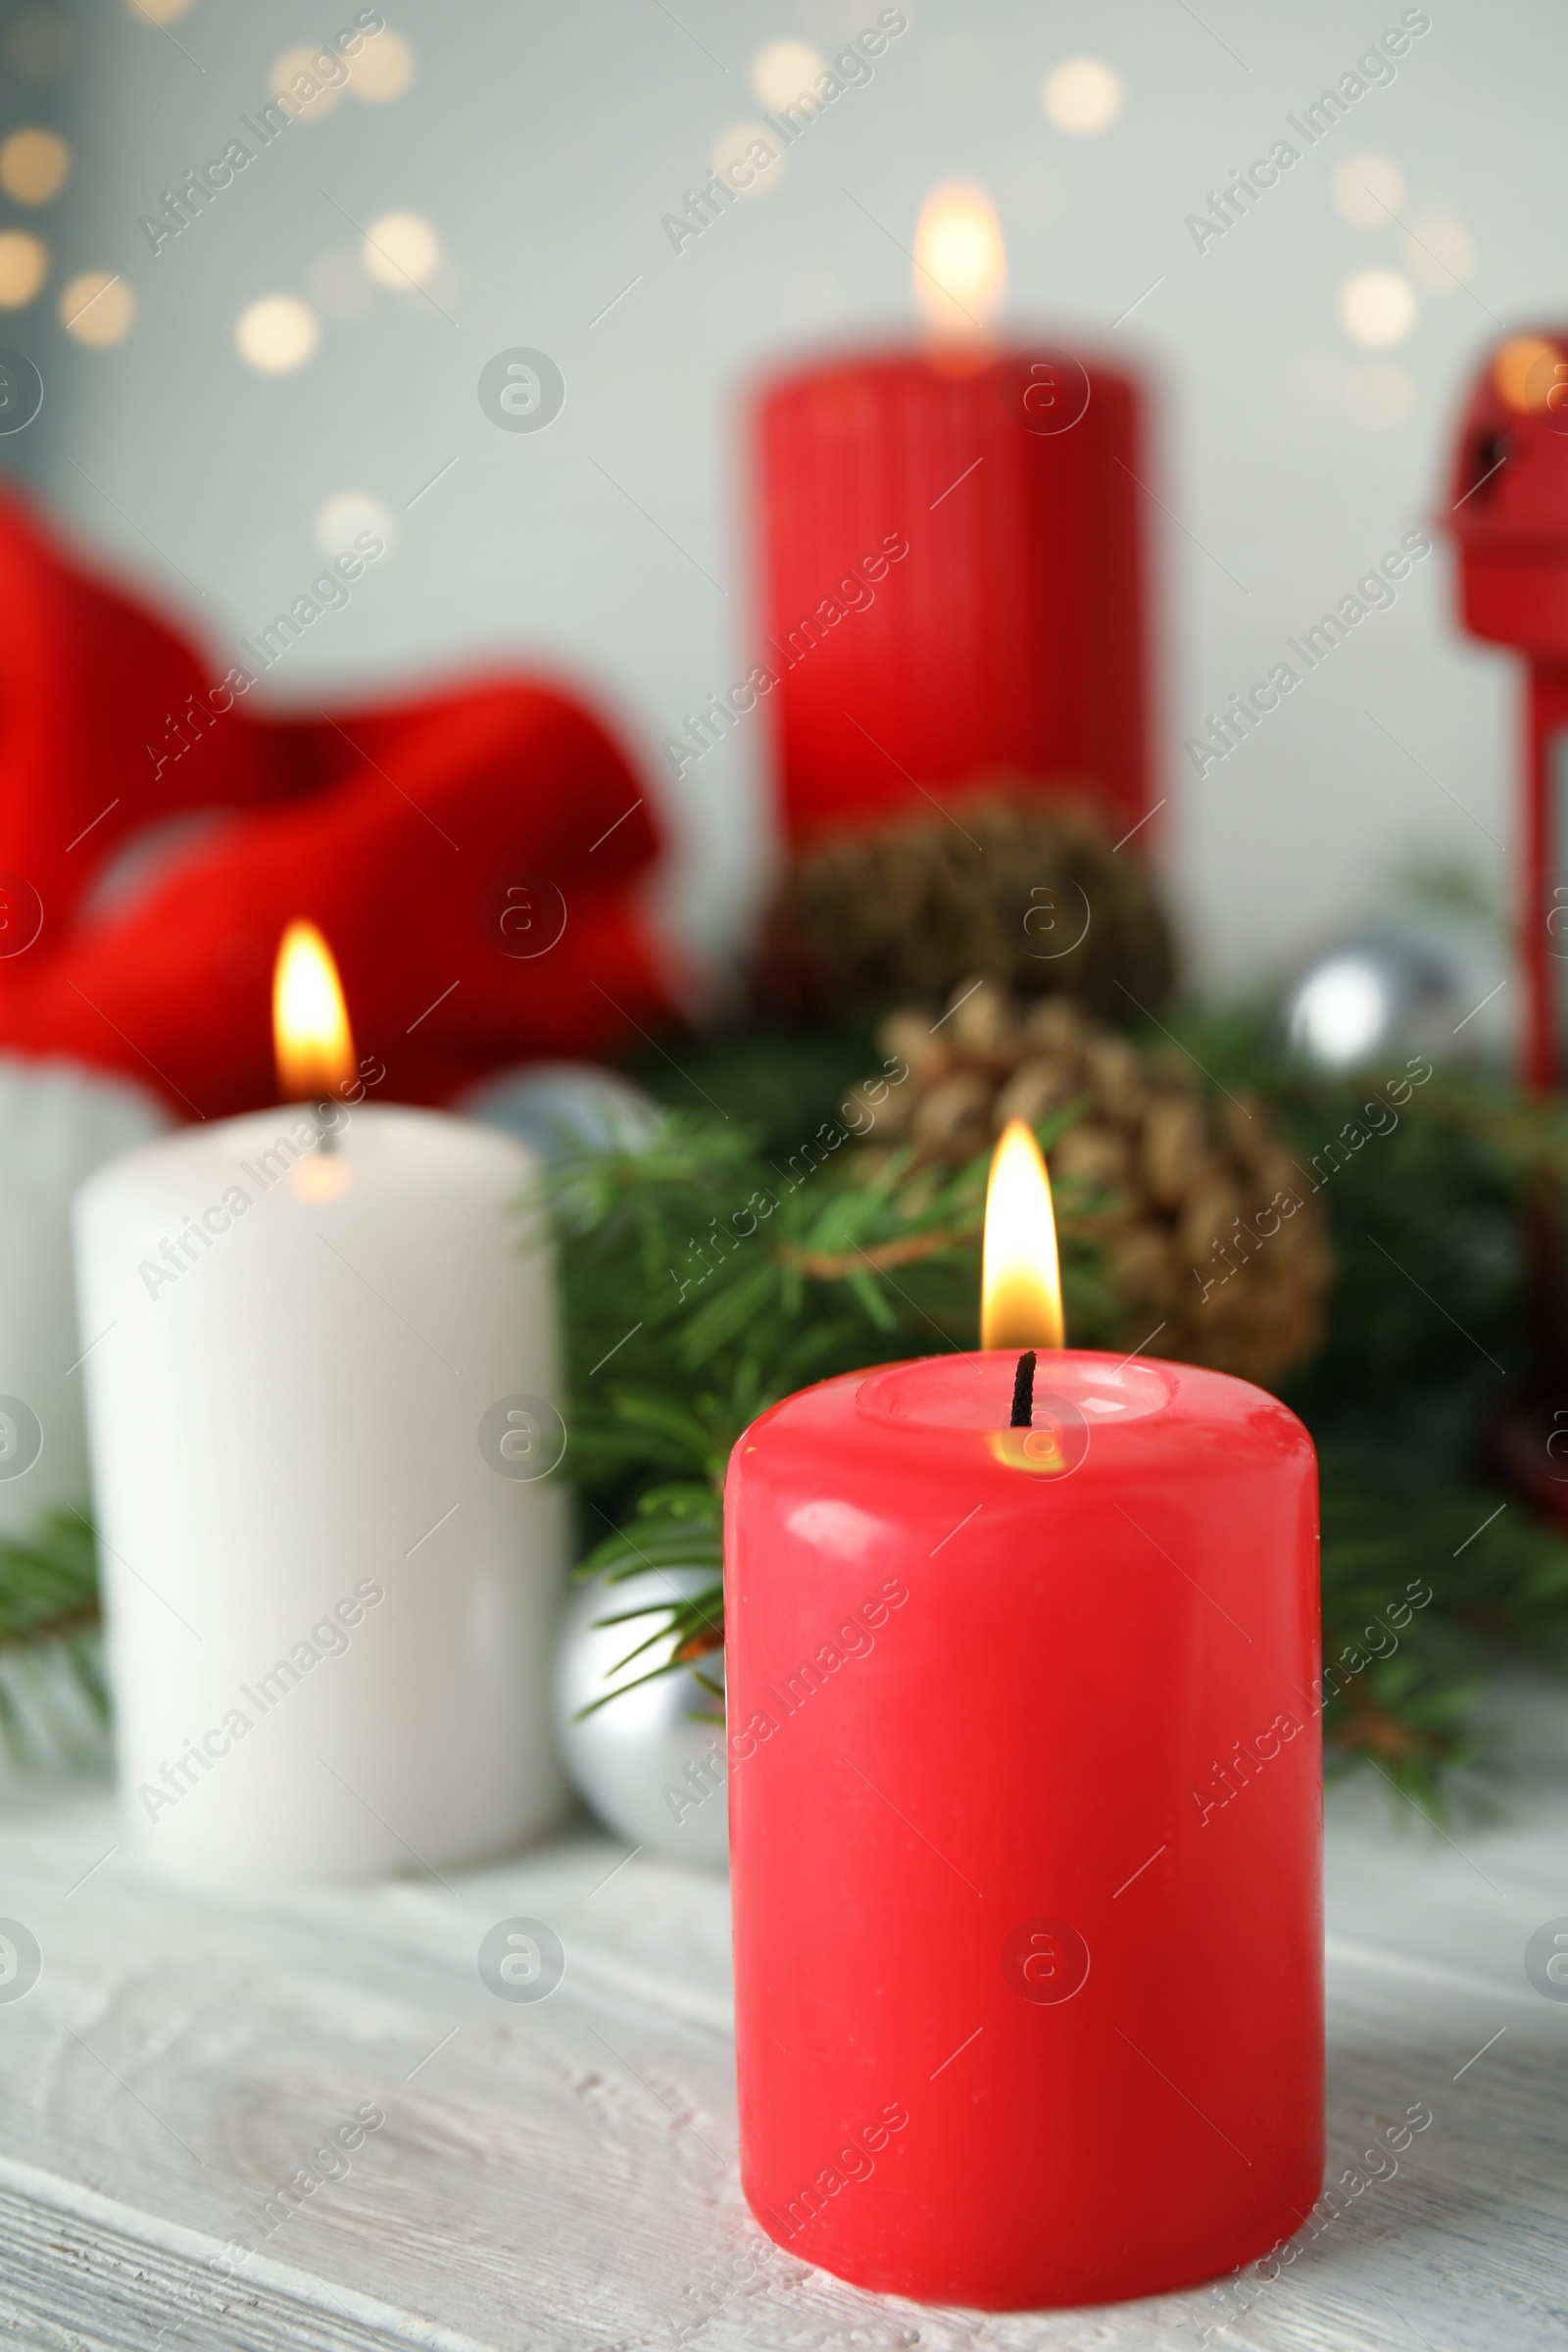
(960, 270)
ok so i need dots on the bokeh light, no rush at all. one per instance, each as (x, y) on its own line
(384, 68)
(401, 249)
(33, 165)
(280, 82)
(1367, 188)
(158, 12)
(960, 268)
(1439, 254)
(341, 519)
(98, 307)
(1082, 95)
(277, 333)
(1524, 372)
(24, 266)
(784, 70)
(1378, 307)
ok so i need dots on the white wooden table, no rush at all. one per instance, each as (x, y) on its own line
(563, 2174)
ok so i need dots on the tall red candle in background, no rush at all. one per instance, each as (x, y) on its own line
(1025, 1818)
(1014, 633)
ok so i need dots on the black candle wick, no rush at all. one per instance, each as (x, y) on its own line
(1023, 1391)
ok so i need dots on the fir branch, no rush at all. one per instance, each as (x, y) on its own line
(49, 1617)
(48, 1586)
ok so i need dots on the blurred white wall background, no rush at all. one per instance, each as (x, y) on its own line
(543, 145)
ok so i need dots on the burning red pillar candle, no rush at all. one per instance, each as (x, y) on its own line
(1025, 1818)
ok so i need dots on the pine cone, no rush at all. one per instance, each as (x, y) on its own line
(1190, 1200)
(1019, 885)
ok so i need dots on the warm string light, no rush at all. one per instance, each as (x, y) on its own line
(1020, 1281)
(1528, 372)
(277, 333)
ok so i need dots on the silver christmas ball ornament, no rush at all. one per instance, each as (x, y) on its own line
(649, 1762)
(1393, 990)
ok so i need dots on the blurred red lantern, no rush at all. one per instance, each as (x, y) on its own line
(1508, 515)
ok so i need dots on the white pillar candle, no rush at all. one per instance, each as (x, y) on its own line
(331, 1570)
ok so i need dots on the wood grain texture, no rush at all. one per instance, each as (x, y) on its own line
(562, 2175)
